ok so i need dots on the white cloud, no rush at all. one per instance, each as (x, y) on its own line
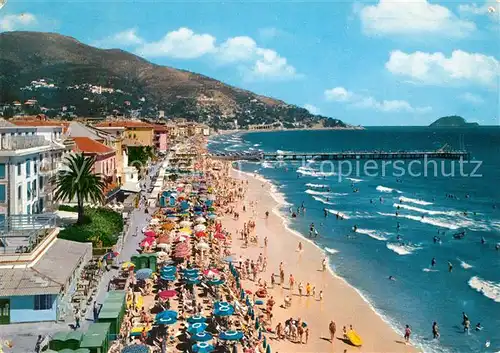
(16, 22)
(312, 109)
(255, 62)
(437, 69)
(340, 94)
(416, 17)
(126, 38)
(180, 44)
(472, 98)
(237, 49)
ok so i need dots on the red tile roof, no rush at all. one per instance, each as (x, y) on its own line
(160, 128)
(86, 144)
(124, 123)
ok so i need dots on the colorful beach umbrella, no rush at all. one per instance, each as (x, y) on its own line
(167, 294)
(231, 335)
(201, 337)
(144, 273)
(197, 327)
(200, 234)
(150, 234)
(202, 347)
(127, 265)
(196, 318)
(110, 255)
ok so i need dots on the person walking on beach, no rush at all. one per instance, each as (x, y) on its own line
(299, 247)
(272, 280)
(301, 288)
(435, 330)
(77, 319)
(407, 334)
(332, 328)
(320, 295)
(323, 264)
(291, 281)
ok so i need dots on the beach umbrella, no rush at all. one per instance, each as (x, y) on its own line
(257, 324)
(264, 342)
(202, 246)
(146, 242)
(224, 311)
(231, 335)
(202, 347)
(215, 282)
(150, 234)
(229, 259)
(190, 271)
(164, 246)
(192, 281)
(197, 327)
(186, 231)
(110, 255)
(180, 238)
(127, 265)
(196, 318)
(167, 317)
(144, 273)
(200, 227)
(167, 294)
(212, 216)
(211, 272)
(219, 236)
(136, 348)
(268, 349)
(259, 337)
(259, 302)
(169, 278)
(168, 269)
(161, 254)
(201, 337)
(185, 224)
(200, 234)
(200, 219)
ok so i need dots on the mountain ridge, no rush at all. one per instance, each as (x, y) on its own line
(67, 62)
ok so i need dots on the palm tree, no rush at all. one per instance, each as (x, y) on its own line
(79, 181)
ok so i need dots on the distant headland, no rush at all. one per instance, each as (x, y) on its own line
(452, 121)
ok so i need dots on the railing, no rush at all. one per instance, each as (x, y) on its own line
(23, 142)
(22, 233)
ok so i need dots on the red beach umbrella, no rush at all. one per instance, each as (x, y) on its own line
(211, 272)
(219, 236)
(150, 233)
(166, 294)
(200, 234)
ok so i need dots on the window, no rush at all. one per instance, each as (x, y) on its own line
(2, 193)
(19, 192)
(2, 170)
(28, 209)
(2, 218)
(35, 166)
(28, 168)
(43, 302)
(18, 168)
(28, 191)
(33, 187)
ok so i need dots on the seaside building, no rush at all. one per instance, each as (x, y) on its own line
(142, 133)
(28, 157)
(36, 282)
(105, 161)
(161, 138)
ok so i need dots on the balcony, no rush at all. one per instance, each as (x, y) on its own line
(12, 143)
(48, 168)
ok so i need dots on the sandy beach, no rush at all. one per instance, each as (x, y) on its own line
(341, 303)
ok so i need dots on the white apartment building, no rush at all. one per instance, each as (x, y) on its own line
(27, 161)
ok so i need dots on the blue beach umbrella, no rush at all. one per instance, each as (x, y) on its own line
(168, 269)
(202, 347)
(229, 259)
(231, 335)
(196, 318)
(144, 273)
(167, 317)
(224, 311)
(215, 282)
(201, 337)
(259, 302)
(169, 278)
(197, 327)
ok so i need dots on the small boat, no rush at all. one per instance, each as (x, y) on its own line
(459, 235)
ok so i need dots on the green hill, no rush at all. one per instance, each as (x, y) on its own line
(452, 121)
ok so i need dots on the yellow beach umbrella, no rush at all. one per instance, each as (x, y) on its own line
(127, 265)
(186, 230)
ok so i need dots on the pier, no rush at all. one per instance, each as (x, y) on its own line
(336, 156)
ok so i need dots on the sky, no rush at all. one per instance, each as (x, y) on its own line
(387, 62)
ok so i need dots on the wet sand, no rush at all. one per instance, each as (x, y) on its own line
(341, 303)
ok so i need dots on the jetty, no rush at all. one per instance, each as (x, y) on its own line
(346, 155)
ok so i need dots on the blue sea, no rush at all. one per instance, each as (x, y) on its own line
(438, 204)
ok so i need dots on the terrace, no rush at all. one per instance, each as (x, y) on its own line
(22, 236)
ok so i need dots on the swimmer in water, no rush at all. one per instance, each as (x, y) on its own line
(433, 262)
(355, 228)
(392, 278)
(483, 241)
(450, 267)
(398, 226)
